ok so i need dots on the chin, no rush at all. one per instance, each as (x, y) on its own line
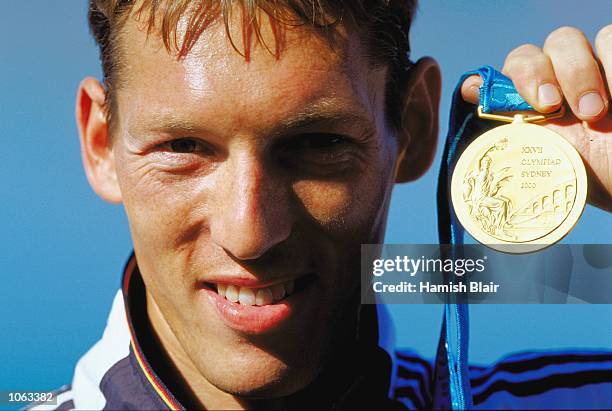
(260, 377)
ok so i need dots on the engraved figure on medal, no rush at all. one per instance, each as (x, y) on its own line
(482, 184)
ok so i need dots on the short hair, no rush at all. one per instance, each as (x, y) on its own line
(383, 26)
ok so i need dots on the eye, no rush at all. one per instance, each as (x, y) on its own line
(320, 153)
(183, 145)
(187, 146)
(324, 142)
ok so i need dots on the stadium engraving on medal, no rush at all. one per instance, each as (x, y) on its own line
(519, 184)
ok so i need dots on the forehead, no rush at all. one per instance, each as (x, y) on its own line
(214, 78)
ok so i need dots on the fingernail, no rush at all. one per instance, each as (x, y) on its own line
(548, 95)
(590, 104)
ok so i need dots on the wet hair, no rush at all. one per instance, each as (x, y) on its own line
(383, 27)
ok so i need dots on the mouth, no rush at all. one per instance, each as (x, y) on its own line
(255, 308)
(258, 296)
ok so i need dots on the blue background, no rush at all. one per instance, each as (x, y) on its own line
(62, 248)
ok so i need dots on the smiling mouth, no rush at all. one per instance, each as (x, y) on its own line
(260, 296)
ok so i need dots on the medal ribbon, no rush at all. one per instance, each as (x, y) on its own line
(497, 94)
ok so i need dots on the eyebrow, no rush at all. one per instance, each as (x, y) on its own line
(324, 112)
(164, 122)
(320, 112)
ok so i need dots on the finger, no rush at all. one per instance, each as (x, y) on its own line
(470, 89)
(533, 76)
(577, 72)
(603, 45)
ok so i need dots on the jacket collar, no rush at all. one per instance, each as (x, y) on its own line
(136, 315)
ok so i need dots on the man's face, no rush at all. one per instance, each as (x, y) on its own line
(259, 176)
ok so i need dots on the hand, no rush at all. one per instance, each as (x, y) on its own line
(567, 69)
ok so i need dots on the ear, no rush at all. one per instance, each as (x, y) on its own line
(96, 150)
(419, 131)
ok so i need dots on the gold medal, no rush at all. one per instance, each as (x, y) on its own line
(519, 183)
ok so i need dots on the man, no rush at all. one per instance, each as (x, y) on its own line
(255, 146)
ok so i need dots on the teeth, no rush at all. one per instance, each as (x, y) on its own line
(221, 288)
(232, 293)
(278, 291)
(264, 297)
(259, 296)
(247, 296)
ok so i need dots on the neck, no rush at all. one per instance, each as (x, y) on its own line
(188, 385)
(346, 371)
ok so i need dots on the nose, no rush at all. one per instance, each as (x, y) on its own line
(252, 212)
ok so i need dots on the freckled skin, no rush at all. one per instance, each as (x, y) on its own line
(239, 208)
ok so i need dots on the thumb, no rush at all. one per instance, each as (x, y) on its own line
(470, 89)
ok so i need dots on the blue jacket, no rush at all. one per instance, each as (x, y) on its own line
(119, 373)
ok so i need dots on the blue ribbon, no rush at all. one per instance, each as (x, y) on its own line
(497, 94)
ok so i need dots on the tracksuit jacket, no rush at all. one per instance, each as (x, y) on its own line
(119, 373)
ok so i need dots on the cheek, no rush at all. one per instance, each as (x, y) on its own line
(344, 208)
(162, 210)
(326, 202)
(353, 208)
